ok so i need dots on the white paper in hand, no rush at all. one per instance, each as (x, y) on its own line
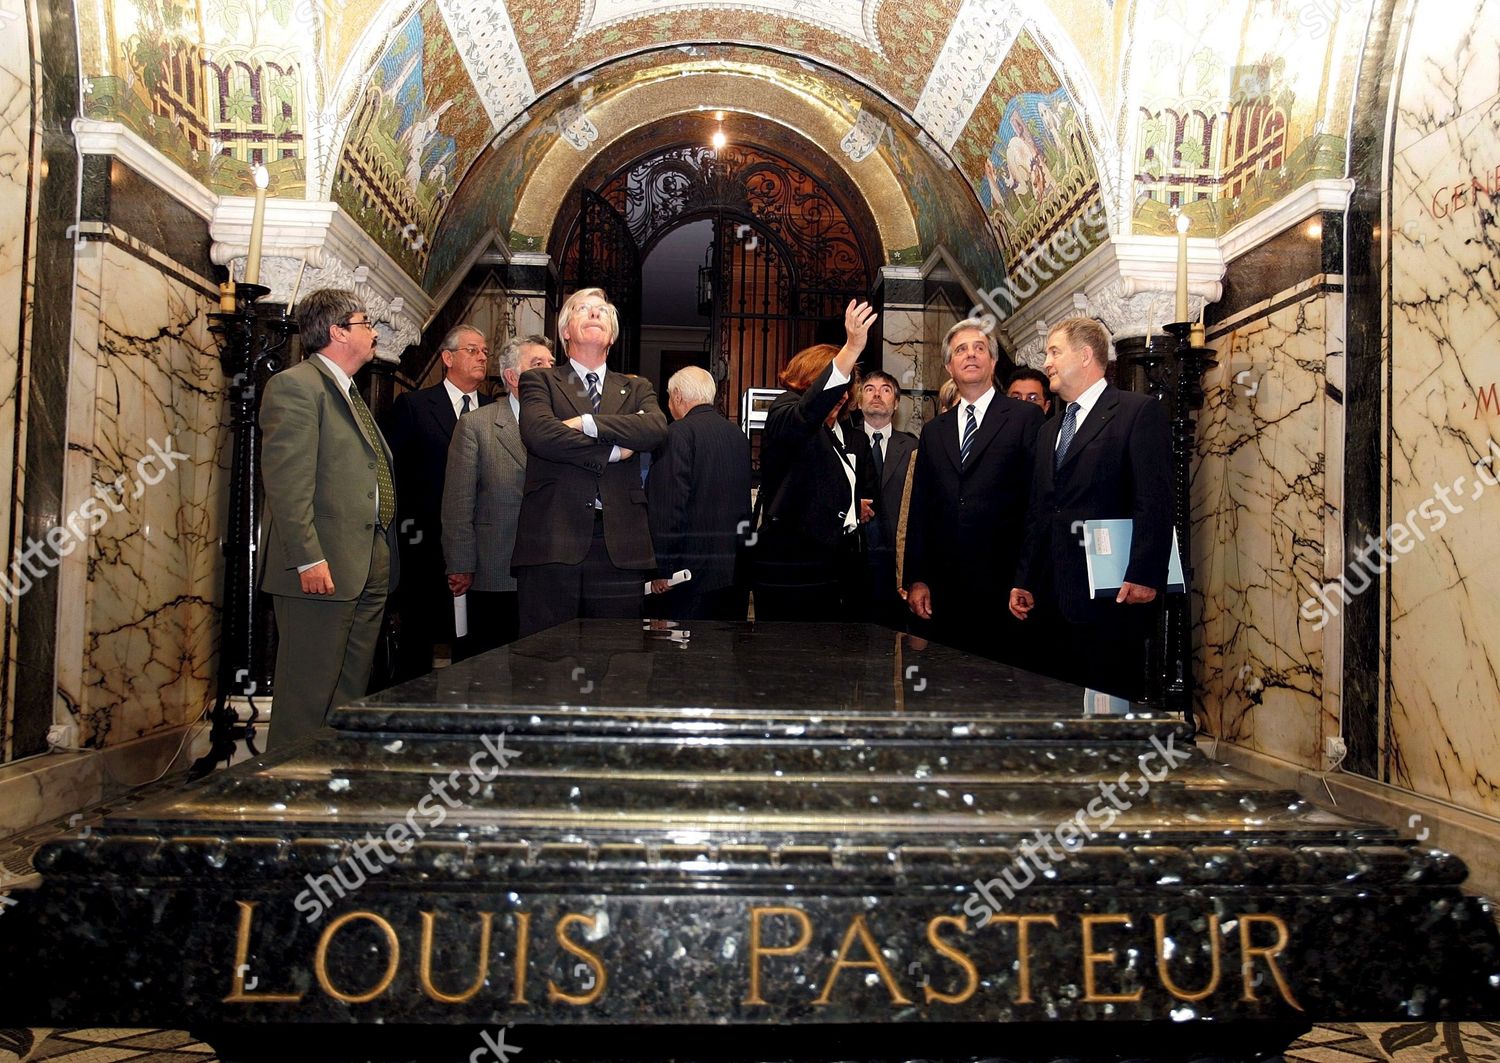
(682, 575)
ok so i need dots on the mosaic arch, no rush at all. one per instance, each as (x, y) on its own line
(913, 76)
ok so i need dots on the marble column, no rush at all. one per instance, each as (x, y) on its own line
(901, 333)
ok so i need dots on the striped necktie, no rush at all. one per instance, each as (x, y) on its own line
(382, 468)
(593, 382)
(970, 427)
(1065, 435)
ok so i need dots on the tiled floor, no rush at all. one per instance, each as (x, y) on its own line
(1338, 1043)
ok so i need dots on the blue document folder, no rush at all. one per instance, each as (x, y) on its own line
(1106, 552)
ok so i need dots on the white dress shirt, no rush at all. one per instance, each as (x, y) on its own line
(456, 397)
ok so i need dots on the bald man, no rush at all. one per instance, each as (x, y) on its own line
(698, 495)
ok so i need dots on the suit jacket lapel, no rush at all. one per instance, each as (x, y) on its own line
(440, 408)
(897, 448)
(343, 404)
(616, 388)
(507, 431)
(572, 386)
(1102, 413)
(988, 428)
(947, 430)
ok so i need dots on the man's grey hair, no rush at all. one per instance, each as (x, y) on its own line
(693, 385)
(319, 311)
(975, 323)
(453, 340)
(510, 354)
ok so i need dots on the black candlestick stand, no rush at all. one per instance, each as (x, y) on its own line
(1186, 367)
(251, 349)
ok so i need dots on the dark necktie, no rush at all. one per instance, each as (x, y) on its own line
(1065, 435)
(465, 408)
(970, 427)
(878, 456)
(592, 379)
(382, 468)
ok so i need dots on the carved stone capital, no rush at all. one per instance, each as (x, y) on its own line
(319, 243)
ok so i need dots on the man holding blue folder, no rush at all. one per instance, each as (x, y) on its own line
(1108, 456)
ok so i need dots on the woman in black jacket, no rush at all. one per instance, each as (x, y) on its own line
(817, 487)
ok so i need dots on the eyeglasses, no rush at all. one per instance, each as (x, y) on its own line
(471, 348)
(351, 324)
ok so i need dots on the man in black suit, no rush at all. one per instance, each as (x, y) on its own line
(419, 428)
(890, 453)
(699, 495)
(1108, 456)
(583, 547)
(968, 504)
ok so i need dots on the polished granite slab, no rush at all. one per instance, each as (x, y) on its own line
(766, 841)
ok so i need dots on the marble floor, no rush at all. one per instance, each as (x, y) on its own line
(1337, 1043)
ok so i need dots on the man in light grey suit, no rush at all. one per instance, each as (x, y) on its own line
(482, 491)
(331, 507)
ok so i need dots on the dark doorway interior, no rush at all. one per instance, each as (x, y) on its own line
(674, 326)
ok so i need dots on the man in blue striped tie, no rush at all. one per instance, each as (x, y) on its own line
(968, 504)
(1108, 456)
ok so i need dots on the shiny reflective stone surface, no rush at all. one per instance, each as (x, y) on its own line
(756, 841)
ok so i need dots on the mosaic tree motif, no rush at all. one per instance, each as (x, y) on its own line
(418, 126)
(1026, 152)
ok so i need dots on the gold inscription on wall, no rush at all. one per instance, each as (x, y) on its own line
(1117, 958)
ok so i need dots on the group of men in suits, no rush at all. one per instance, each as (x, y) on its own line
(535, 509)
(994, 559)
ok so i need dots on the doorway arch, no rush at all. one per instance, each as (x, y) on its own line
(792, 243)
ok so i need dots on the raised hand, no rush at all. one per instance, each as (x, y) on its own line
(858, 317)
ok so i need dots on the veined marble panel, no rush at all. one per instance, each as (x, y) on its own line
(15, 176)
(1261, 517)
(149, 624)
(1442, 733)
(901, 336)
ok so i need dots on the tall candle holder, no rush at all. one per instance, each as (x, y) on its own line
(1187, 365)
(251, 348)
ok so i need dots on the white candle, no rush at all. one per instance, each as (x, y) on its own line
(257, 226)
(297, 286)
(1182, 291)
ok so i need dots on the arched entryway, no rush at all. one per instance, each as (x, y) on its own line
(792, 243)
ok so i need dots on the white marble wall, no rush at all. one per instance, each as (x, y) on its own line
(1265, 501)
(1443, 723)
(138, 627)
(16, 151)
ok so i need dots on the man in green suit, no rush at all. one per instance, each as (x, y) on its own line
(331, 504)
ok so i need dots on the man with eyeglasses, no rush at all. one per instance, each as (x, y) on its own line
(331, 504)
(583, 546)
(420, 428)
